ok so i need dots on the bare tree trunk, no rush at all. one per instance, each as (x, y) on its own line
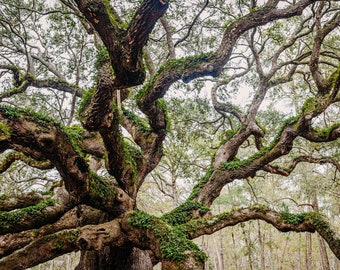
(322, 247)
(283, 255)
(323, 252)
(262, 250)
(235, 255)
(174, 190)
(115, 259)
(249, 248)
(308, 251)
(220, 246)
(221, 250)
(300, 259)
(271, 254)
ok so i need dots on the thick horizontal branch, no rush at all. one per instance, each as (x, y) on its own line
(46, 211)
(11, 157)
(44, 249)
(76, 217)
(324, 134)
(41, 138)
(21, 82)
(60, 85)
(283, 221)
(16, 201)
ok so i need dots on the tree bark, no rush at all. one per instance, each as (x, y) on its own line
(308, 251)
(115, 259)
(262, 247)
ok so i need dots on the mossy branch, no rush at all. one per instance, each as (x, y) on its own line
(9, 202)
(18, 156)
(46, 211)
(172, 244)
(283, 221)
(52, 245)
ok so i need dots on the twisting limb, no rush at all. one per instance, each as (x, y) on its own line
(283, 221)
(16, 156)
(192, 24)
(296, 161)
(76, 217)
(124, 47)
(169, 39)
(15, 201)
(22, 82)
(322, 84)
(32, 215)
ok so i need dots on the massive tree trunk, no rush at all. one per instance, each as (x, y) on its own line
(126, 258)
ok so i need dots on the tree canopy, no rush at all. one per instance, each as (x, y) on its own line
(98, 98)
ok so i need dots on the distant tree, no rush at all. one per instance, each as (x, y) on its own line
(114, 62)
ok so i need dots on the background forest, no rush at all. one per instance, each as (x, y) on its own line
(281, 76)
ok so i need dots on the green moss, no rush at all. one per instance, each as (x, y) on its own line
(4, 129)
(180, 65)
(85, 101)
(201, 184)
(318, 220)
(173, 240)
(310, 104)
(113, 17)
(323, 227)
(102, 57)
(29, 114)
(100, 188)
(237, 164)
(146, 89)
(184, 212)
(161, 105)
(326, 132)
(29, 77)
(15, 217)
(66, 237)
(74, 131)
(185, 63)
(74, 135)
(294, 219)
(141, 219)
(10, 112)
(133, 150)
(131, 154)
(334, 77)
(174, 245)
(46, 192)
(140, 124)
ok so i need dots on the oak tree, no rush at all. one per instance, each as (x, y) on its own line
(84, 88)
